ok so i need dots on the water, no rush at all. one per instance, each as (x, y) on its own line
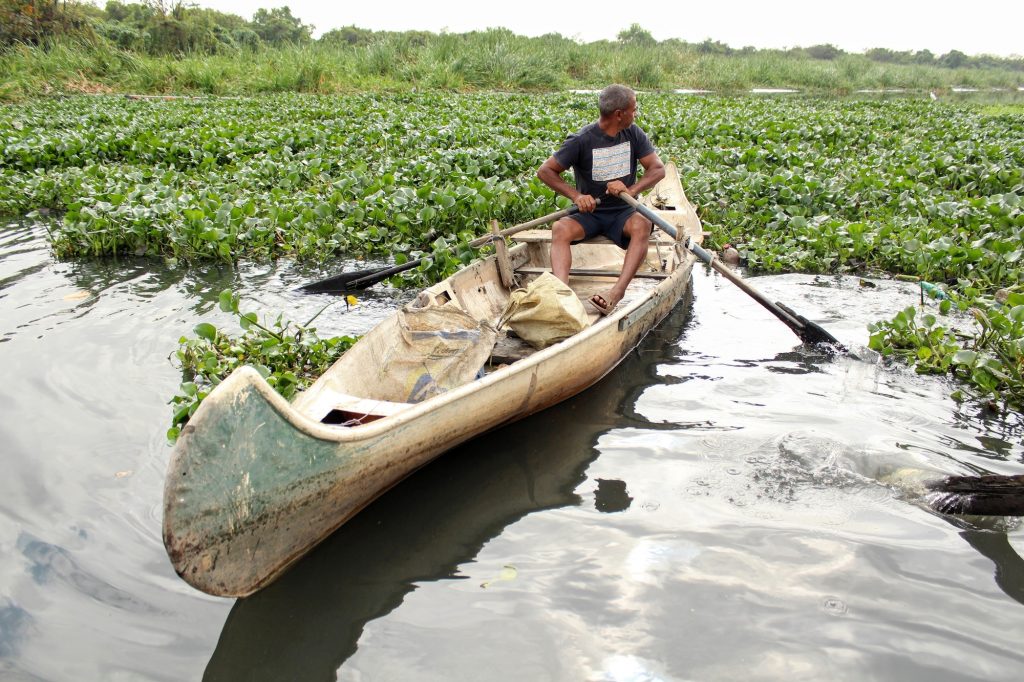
(725, 505)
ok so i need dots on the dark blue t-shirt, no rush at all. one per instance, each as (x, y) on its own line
(596, 159)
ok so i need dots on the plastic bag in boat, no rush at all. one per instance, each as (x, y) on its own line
(422, 352)
(545, 312)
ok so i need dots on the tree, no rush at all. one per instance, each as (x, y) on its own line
(827, 51)
(278, 26)
(924, 57)
(34, 21)
(162, 7)
(714, 47)
(882, 54)
(135, 13)
(348, 35)
(636, 35)
(954, 59)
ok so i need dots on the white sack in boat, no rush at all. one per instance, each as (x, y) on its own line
(421, 352)
(544, 313)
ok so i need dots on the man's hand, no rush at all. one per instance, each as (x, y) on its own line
(616, 187)
(585, 203)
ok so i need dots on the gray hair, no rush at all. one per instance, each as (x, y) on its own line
(613, 98)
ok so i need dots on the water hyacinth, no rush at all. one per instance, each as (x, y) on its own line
(288, 355)
(912, 188)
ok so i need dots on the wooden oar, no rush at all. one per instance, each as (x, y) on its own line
(989, 495)
(809, 332)
(361, 279)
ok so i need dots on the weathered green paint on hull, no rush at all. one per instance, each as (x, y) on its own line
(244, 474)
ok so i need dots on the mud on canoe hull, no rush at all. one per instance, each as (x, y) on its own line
(253, 484)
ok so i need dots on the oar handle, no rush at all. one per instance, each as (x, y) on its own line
(806, 330)
(536, 222)
(381, 275)
(707, 257)
(668, 227)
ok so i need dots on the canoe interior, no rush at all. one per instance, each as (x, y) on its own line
(347, 397)
(255, 482)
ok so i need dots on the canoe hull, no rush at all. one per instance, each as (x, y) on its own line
(255, 482)
(234, 506)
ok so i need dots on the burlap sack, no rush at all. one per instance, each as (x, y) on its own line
(544, 313)
(418, 353)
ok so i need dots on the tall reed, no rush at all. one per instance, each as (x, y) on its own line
(495, 59)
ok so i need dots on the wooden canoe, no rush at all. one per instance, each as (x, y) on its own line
(255, 482)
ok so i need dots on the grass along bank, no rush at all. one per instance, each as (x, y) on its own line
(489, 60)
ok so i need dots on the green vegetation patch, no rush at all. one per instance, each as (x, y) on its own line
(929, 190)
(290, 356)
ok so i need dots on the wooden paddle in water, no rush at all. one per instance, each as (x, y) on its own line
(361, 279)
(989, 495)
(809, 332)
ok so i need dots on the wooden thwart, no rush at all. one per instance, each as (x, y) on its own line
(595, 273)
(660, 239)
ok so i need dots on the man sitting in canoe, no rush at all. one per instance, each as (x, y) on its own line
(603, 157)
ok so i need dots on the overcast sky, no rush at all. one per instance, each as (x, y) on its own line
(977, 27)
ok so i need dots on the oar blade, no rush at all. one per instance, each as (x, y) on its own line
(345, 282)
(355, 281)
(810, 332)
(989, 495)
(814, 333)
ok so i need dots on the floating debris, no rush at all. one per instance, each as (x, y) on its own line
(508, 572)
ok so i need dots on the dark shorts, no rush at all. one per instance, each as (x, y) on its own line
(608, 223)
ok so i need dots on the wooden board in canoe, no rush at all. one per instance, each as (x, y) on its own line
(255, 482)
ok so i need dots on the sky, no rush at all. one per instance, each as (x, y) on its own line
(977, 27)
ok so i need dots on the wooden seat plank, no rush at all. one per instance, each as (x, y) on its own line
(595, 273)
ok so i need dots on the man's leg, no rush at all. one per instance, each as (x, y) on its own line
(638, 229)
(563, 234)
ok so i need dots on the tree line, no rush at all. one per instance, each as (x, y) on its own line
(175, 27)
(954, 59)
(154, 27)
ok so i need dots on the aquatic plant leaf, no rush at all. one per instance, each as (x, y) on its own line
(206, 331)
(965, 357)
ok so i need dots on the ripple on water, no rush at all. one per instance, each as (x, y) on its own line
(777, 550)
(53, 565)
(751, 531)
(729, 446)
(835, 606)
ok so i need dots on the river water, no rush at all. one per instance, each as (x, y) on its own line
(725, 505)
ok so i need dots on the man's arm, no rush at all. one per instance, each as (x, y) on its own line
(550, 173)
(654, 171)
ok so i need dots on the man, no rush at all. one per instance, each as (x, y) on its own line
(603, 157)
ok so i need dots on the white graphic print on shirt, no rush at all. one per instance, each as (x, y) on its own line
(611, 162)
